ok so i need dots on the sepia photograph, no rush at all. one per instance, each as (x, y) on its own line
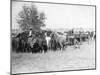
(52, 37)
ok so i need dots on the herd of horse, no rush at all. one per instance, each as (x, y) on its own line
(43, 41)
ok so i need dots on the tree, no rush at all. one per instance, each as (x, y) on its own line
(29, 17)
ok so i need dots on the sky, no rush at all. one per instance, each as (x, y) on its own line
(59, 16)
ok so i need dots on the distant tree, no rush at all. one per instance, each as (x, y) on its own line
(29, 17)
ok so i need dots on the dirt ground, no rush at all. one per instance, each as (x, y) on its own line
(69, 59)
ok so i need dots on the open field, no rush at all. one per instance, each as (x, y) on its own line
(69, 59)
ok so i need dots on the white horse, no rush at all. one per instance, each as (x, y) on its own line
(61, 39)
(48, 38)
(30, 33)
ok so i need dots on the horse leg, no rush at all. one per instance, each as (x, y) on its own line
(61, 45)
